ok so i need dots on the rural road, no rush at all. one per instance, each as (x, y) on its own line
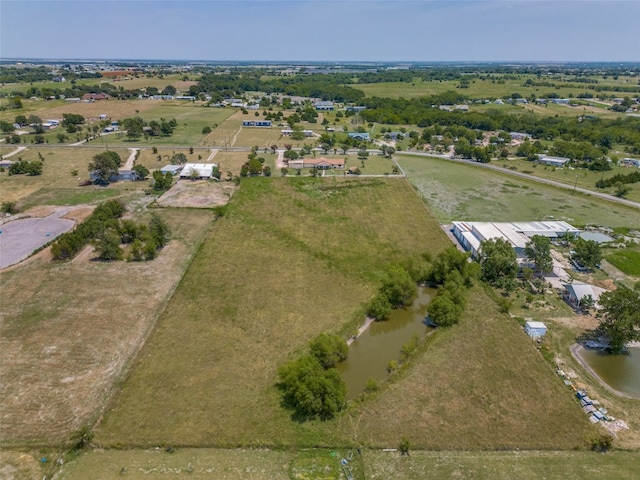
(213, 153)
(603, 196)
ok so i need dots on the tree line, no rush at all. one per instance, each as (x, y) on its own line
(107, 232)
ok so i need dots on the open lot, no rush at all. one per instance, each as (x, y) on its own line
(465, 192)
(70, 329)
(290, 259)
(463, 391)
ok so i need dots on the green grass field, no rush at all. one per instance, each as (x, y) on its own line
(477, 88)
(299, 237)
(467, 192)
(373, 464)
(335, 236)
(627, 260)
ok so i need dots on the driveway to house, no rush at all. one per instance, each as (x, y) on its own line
(280, 160)
(132, 158)
(11, 154)
(533, 178)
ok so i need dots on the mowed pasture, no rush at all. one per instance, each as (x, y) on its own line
(377, 465)
(58, 185)
(70, 329)
(290, 259)
(456, 191)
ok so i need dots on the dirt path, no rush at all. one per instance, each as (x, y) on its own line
(132, 158)
(280, 160)
(11, 154)
(214, 152)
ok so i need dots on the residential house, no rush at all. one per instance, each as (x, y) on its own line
(359, 135)
(324, 105)
(256, 123)
(557, 162)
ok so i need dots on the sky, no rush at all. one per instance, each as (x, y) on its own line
(323, 30)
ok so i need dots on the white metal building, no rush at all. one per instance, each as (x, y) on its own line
(205, 170)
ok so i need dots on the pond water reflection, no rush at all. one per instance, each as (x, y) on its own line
(371, 352)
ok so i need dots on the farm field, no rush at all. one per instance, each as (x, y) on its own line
(374, 464)
(334, 234)
(466, 192)
(70, 329)
(477, 88)
(338, 235)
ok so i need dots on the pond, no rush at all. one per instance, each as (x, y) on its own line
(371, 352)
(620, 372)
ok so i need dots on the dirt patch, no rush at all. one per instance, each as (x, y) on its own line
(578, 322)
(18, 465)
(197, 194)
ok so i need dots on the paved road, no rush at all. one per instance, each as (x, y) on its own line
(533, 178)
(11, 154)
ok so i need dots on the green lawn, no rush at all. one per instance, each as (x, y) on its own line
(467, 192)
(626, 260)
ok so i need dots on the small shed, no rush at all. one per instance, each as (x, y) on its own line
(535, 329)
(172, 169)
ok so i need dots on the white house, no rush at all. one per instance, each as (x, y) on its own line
(204, 170)
(557, 162)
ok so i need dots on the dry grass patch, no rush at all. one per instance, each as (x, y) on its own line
(114, 109)
(197, 194)
(69, 329)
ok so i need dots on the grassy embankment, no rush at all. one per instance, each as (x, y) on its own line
(466, 192)
(310, 256)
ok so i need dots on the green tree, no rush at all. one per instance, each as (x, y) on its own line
(329, 349)
(162, 181)
(6, 127)
(538, 250)
(620, 317)
(104, 165)
(179, 158)
(498, 263)
(587, 252)
(398, 287)
(206, 130)
(290, 155)
(159, 230)
(621, 190)
(21, 120)
(448, 260)
(107, 245)
(141, 171)
(310, 390)
(134, 127)
(379, 307)
(443, 311)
